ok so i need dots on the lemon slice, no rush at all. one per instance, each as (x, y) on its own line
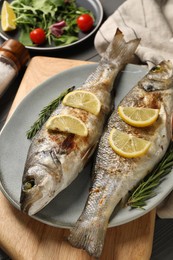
(127, 145)
(84, 100)
(8, 17)
(67, 123)
(138, 116)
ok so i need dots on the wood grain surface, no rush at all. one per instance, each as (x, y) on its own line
(24, 238)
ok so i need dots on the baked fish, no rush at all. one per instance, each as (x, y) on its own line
(115, 175)
(56, 158)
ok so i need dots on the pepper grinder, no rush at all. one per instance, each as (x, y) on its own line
(13, 56)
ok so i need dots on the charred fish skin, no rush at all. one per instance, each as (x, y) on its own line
(114, 175)
(54, 158)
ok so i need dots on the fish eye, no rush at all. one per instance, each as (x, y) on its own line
(149, 88)
(156, 68)
(28, 184)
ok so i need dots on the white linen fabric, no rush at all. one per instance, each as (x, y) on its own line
(152, 22)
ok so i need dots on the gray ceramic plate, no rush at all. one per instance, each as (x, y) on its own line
(93, 5)
(64, 210)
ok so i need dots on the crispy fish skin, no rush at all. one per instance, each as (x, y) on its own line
(54, 158)
(114, 175)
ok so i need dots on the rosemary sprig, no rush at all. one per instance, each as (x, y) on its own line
(146, 190)
(45, 113)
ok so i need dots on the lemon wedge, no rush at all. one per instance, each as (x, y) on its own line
(138, 116)
(127, 145)
(84, 100)
(8, 17)
(67, 123)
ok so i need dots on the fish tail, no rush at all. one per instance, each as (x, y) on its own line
(119, 51)
(89, 235)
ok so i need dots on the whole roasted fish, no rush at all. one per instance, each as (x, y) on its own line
(114, 175)
(55, 158)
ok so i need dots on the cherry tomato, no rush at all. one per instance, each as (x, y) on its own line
(38, 36)
(85, 22)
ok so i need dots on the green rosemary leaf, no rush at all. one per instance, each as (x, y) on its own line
(145, 190)
(45, 114)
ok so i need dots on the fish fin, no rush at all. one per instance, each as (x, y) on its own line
(89, 153)
(119, 51)
(89, 235)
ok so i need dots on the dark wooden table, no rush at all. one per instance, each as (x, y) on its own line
(163, 238)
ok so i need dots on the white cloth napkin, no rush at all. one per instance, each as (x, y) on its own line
(152, 21)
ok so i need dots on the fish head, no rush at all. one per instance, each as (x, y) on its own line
(39, 186)
(160, 77)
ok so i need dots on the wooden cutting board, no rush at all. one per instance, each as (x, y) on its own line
(24, 238)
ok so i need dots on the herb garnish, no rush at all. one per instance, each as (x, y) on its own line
(45, 113)
(145, 190)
